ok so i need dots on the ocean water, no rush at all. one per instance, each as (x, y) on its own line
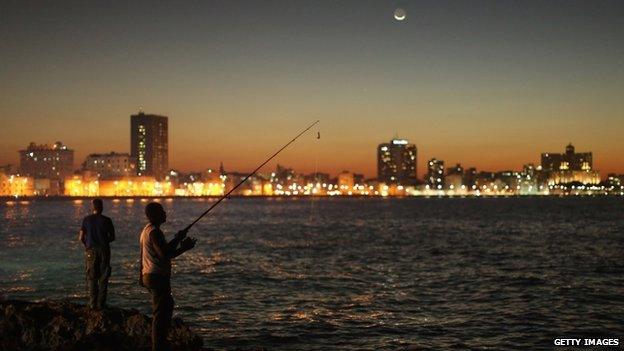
(351, 273)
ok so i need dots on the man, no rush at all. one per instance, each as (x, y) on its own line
(156, 255)
(96, 234)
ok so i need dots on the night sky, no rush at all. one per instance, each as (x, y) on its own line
(489, 84)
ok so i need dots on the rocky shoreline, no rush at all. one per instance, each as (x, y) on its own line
(62, 325)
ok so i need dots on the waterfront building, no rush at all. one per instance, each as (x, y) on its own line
(13, 185)
(435, 174)
(569, 167)
(615, 182)
(346, 181)
(454, 179)
(53, 162)
(149, 145)
(396, 162)
(110, 165)
(570, 160)
(89, 185)
(470, 178)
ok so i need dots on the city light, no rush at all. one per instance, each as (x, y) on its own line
(46, 170)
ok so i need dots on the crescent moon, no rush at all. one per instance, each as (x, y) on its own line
(399, 14)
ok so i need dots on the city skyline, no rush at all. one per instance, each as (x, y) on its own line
(422, 174)
(396, 161)
(487, 85)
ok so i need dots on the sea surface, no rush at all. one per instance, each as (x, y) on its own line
(351, 273)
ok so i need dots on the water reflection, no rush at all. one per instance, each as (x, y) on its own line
(378, 270)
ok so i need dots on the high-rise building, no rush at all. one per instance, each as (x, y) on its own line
(435, 174)
(111, 165)
(149, 145)
(53, 162)
(396, 162)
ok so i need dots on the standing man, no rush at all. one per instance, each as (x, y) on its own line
(156, 255)
(96, 234)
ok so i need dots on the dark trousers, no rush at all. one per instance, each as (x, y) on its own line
(97, 265)
(162, 308)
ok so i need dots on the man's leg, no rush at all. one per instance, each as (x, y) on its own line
(162, 309)
(91, 273)
(105, 272)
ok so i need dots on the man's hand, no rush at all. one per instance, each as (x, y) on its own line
(181, 234)
(188, 243)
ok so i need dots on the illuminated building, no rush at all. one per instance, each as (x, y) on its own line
(53, 162)
(615, 182)
(110, 165)
(81, 185)
(485, 180)
(346, 181)
(454, 182)
(200, 189)
(435, 174)
(283, 175)
(85, 185)
(530, 181)
(583, 177)
(12, 185)
(508, 181)
(470, 177)
(317, 178)
(396, 162)
(454, 179)
(569, 167)
(43, 187)
(149, 144)
(530, 171)
(570, 160)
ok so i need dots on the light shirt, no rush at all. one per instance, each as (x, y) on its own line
(151, 262)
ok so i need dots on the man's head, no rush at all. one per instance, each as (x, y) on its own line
(155, 213)
(98, 206)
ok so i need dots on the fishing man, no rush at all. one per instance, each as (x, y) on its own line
(96, 234)
(156, 255)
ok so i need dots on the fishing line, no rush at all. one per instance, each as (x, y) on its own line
(315, 178)
(249, 175)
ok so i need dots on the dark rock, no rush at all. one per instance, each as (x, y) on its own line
(61, 325)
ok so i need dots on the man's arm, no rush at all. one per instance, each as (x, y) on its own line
(173, 244)
(170, 250)
(82, 234)
(111, 231)
(185, 245)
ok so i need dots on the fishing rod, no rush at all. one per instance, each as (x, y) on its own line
(249, 175)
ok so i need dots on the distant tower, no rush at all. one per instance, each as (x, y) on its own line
(149, 144)
(396, 162)
(570, 149)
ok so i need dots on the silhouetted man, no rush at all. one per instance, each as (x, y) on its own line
(96, 233)
(156, 255)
